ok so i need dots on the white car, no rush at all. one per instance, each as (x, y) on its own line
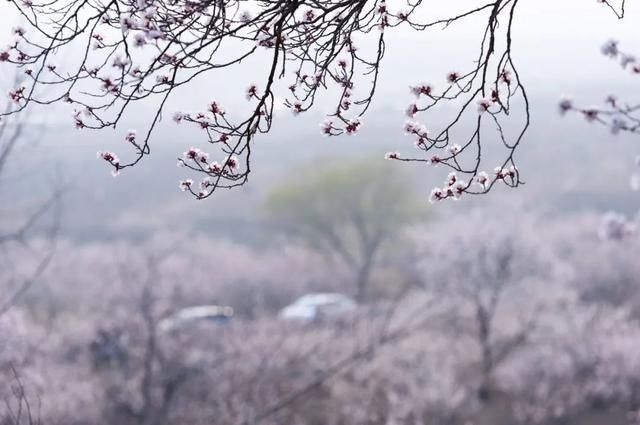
(318, 306)
(198, 314)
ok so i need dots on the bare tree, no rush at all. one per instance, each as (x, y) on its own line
(19, 409)
(133, 52)
(39, 222)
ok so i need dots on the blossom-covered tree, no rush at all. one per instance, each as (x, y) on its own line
(580, 361)
(129, 52)
(481, 273)
(410, 360)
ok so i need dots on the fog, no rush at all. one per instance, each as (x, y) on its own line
(327, 289)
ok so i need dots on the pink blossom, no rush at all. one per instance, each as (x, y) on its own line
(191, 153)
(436, 195)
(459, 188)
(139, 40)
(421, 89)
(483, 179)
(232, 163)
(455, 149)
(326, 127)
(185, 185)
(353, 126)
(203, 157)
(252, 91)
(590, 114)
(483, 105)
(505, 77)
(215, 108)
(565, 105)
(131, 136)
(127, 23)
(610, 49)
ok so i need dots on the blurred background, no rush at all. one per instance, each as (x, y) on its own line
(328, 290)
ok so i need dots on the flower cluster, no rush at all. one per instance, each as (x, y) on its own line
(198, 160)
(442, 150)
(454, 187)
(612, 50)
(619, 117)
(112, 159)
(616, 115)
(17, 95)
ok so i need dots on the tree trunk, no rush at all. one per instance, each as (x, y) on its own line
(484, 336)
(362, 279)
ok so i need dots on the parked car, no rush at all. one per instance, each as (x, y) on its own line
(198, 314)
(318, 306)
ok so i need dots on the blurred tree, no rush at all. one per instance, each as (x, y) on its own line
(25, 230)
(347, 211)
(475, 269)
